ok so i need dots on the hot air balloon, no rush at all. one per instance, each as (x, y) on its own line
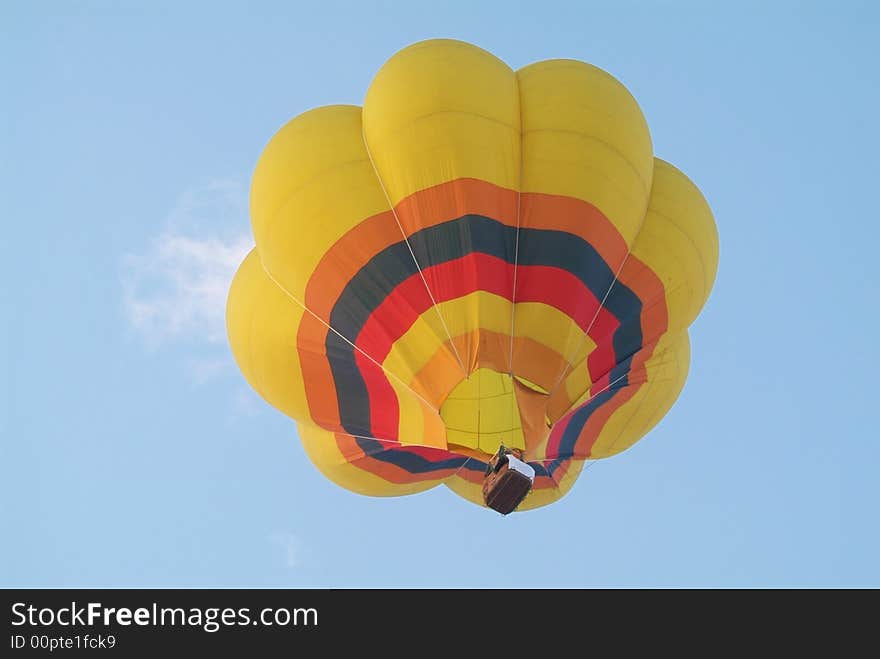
(477, 258)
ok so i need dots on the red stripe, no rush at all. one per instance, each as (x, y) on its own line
(562, 290)
(551, 286)
(384, 406)
(400, 310)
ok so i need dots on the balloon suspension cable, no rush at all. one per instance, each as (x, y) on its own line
(568, 362)
(413, 254)
(515, 258)
(353, 345)
(513, 413)
(569, 366)
(479, 406)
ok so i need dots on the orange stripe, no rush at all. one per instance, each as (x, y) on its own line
(552, 482)
(596, 423)
(343, 260)
(470, 476)
(451, 200)
(642, 281)
(536, 362)
(426, 208)
(433, 429)
(440, 374)
(317, 376)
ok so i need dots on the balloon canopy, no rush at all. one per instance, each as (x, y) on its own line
(476, 256)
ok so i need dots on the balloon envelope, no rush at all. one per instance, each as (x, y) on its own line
(476, 256)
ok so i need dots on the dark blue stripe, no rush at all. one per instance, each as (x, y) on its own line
(438, 244)
(411, 462)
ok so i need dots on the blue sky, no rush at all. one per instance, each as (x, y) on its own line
(133, 452)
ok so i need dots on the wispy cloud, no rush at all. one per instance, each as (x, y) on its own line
(176, 289)
(290, 547)
(246, 403)
(202, 369)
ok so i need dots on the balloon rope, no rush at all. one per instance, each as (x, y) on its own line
(413, 254)
(569, 366)
(360, 350)
(461, 466)
(515, 253)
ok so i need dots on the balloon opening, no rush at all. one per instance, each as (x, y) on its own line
(489, 408)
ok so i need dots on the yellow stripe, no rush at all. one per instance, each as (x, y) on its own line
(550, 327)
(542, 323)
(418, 345)
(419, 424)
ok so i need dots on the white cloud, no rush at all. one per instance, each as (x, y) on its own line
(202, 369)
(290, 548)
(246, 403)
(176, 289)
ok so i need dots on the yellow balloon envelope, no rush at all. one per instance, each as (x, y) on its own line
(476, 256)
